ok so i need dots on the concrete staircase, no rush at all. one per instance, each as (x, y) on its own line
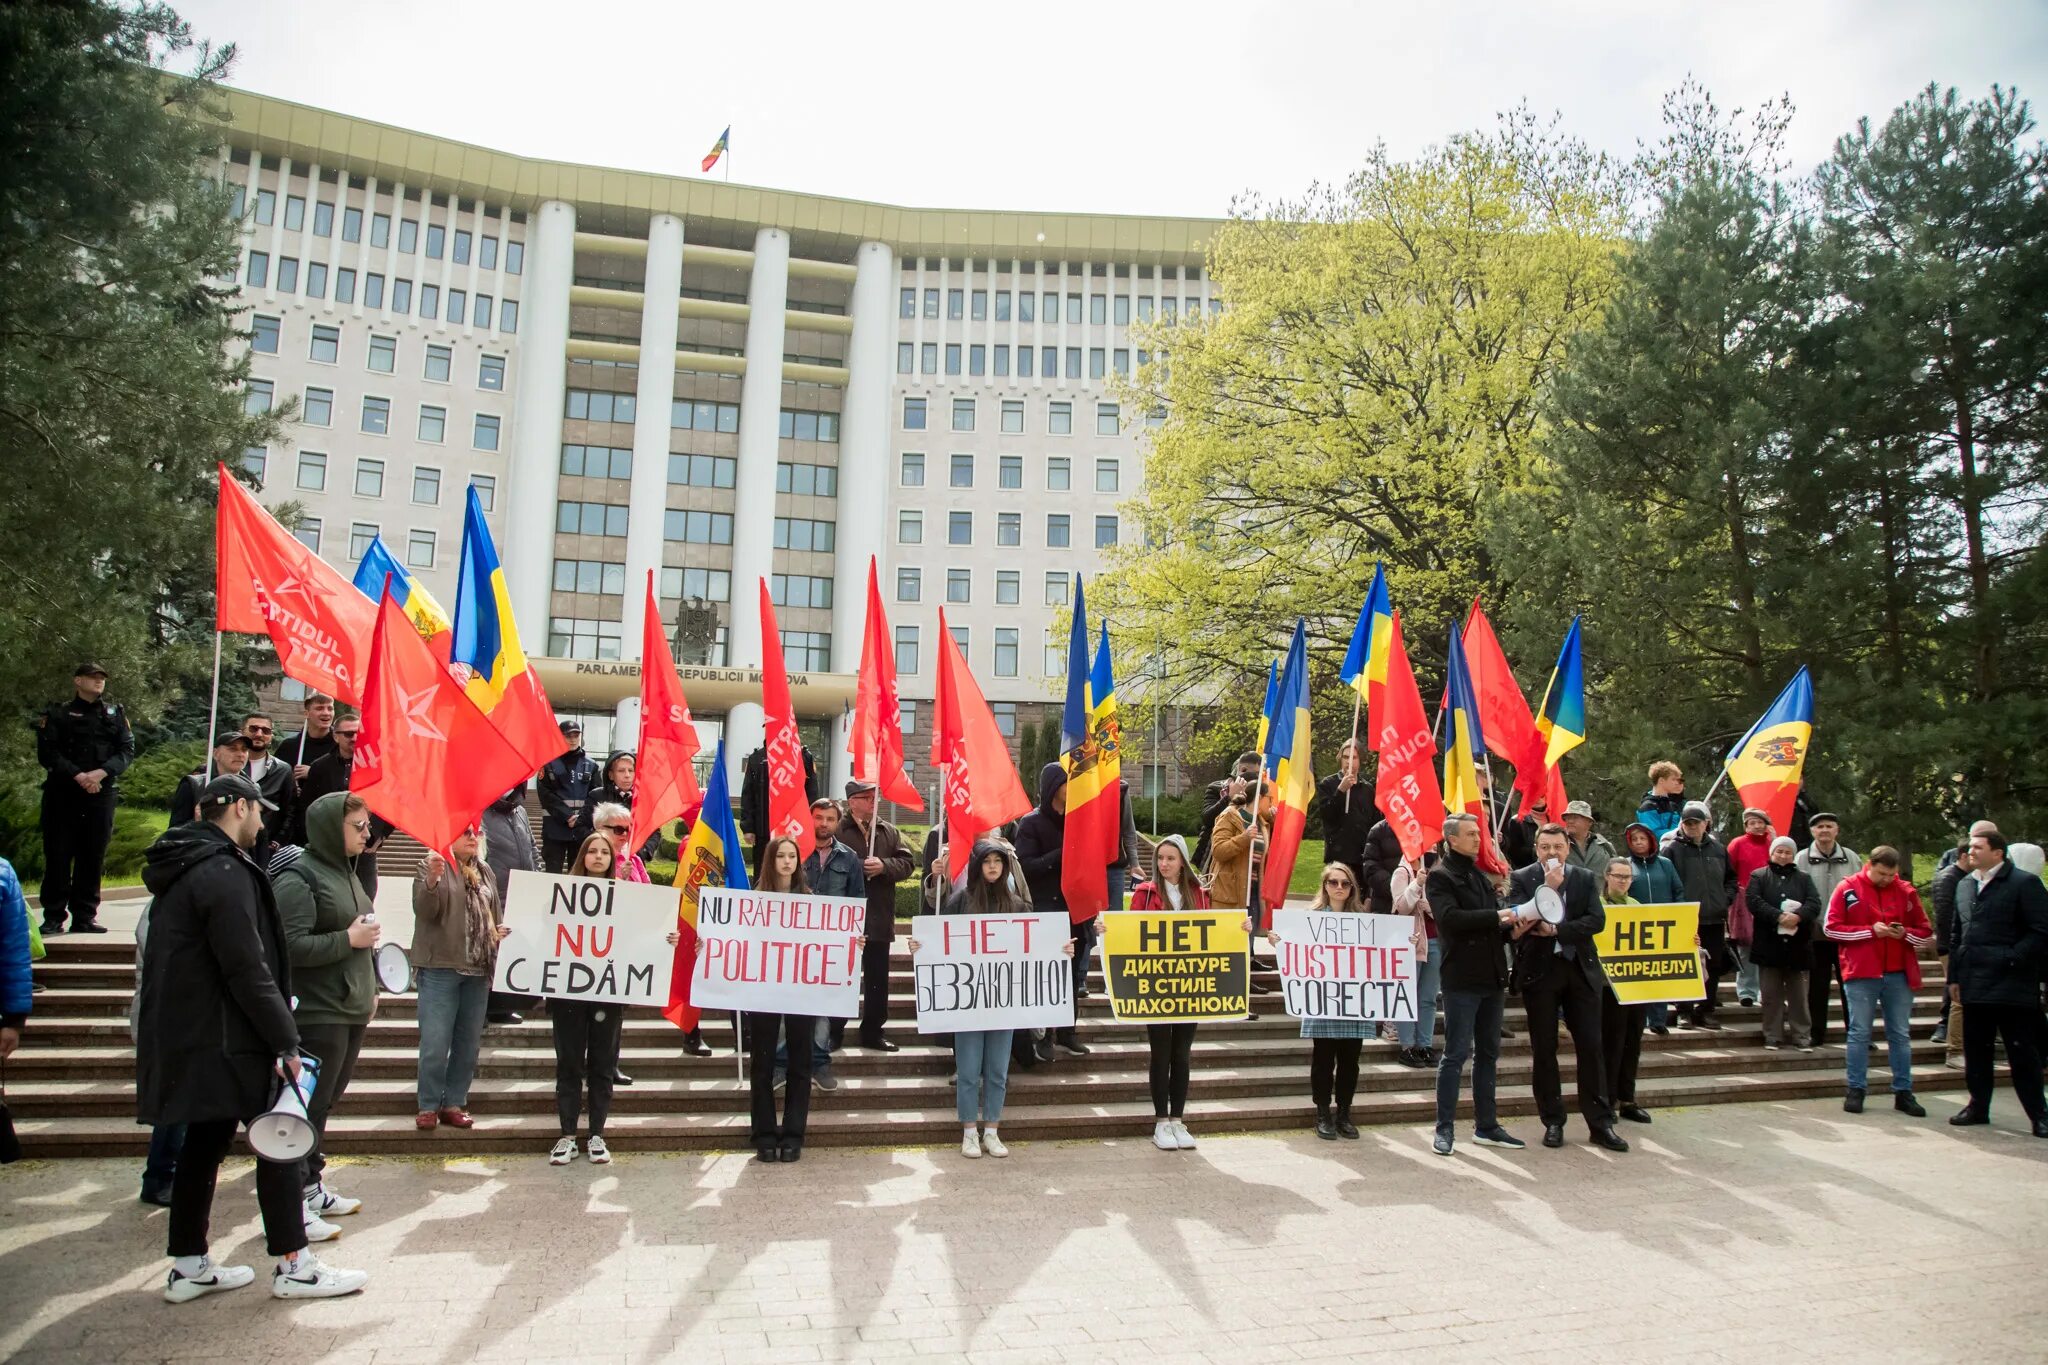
(71, 1085)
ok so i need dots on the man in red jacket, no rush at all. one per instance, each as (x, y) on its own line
(1875, 917)
(1747, 852)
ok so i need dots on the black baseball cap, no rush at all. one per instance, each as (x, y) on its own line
(227, 737)
(233, 787)
(569, 725)
(89, 669)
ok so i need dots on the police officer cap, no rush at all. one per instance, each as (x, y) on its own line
(227, 737)
(569, 725)
(233, 787)
(89, 669)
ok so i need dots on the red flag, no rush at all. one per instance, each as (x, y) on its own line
(265, 582)
(1504, 714)
(982, 790)
(789, 806)
(666, 785)
(1408, 792)
(428, 761)
(876, 741)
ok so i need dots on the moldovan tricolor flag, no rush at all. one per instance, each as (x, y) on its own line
(718, 148)
(709, 857)
(876, 739)
(1766, 767)
(666, 781)
(1561, 719)
(1094, 818)
(1287, 759)
(486, 643)
(268, 583)
(1266, 708)
(1365, 663)
(979, 778)
(1407, 792)
(789, 805)
(379, 566)
(1464, 741)
(428, 761)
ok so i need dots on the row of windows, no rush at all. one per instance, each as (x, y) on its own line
(1102, 309)
(1004, 661)
(310, 475)
(807, 480)
(703, 471)
(802, 533)
(800, 590)
(960, 586)
(696, 528)
(1059, 472)
(1059, 416)
(324, 346)
(713, 585)
(461, 308)
(685, 415)
(317, 410)
(420, 546)
(597, 462)
(1059, 529)
(799, 425)
(456, 246)
(1042, 363)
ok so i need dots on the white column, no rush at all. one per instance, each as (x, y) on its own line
(527, 550)
(655, 395)
(626, 724)
(363, 245)
(249, 217)
(391, 258)
(275, 245)
(863, 466)
(306, 237)
(753, 538)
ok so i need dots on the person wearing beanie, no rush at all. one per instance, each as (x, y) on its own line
(1785, 905)
(1704, 875)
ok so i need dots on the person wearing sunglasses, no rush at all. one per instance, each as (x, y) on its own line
(1333, 1060)
(330, 935)
(615, 822)
(273, 777)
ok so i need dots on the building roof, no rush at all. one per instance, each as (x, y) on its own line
(609, 200)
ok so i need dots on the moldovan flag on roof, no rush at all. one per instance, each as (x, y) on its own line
(1464, 741)
(666, 782)
(1407, 792)
(709, 857)
(789, 805)
(486, 642)
(1293, 781)
(268, 583)
(718, 148)
(979, 778)
(428, 761)
(876, 738)
(1766, 767)
(1366, 662)
(419, 606)
(1561, 719)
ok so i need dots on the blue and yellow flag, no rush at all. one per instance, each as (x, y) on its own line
(1767, 765)
(1365, 663)
(1561, 719)
(415, 601)
(1266, 713)
(500, 681)
(1294, 782)
(1103, 726)
(1094, 815)
(711, 856)
(1463, 739)
(1074, 718)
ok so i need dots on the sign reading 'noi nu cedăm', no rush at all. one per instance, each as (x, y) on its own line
(585, 938)
(777, 952)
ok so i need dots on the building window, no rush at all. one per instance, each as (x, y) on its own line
(419, 549)
(377, 416)
(807, 650)
(351, 225)
(380, 230)
(312, 471)
(316, 280)
(603, 578)
(461, 253)
(1096, 362)
(802, 533)
(953, 299)
(369, 478)
(1058, 530)
(401, 296)
(712, 585)
(485, 434)
(1074, 310)
(1013, 416)
(961, 638)
(1006, 664)
(1059, 419)
(807, 480)
(490, 373)
(426, 485)
(1003, 306)
(266, 207)
(959, 585)
(515, 257)
(430, 300)
(697, 528)
(953, 358)
(1105, 532)
(604, 462)
(433, 423)
(440, 359)
(800, 590)
(307, 533)
(256, 460)
(1122, 310)
(1154, 780)
(929, 358)
(959, 528)
(801, 425)
(1006, 587)
(1009, 528)
(1055, 662)
(977, 360)
(977, 305)
(1098, 309)
(906, 649)
(1005, 711)
(258, 397)
(344, 286)
(1027, 307)
(590, 518)
(913, 469)
(487, 253)
(913, 414)
(962, 471)
(931, 303)
(263, 333)
(963, 414)
(1049, 362)
(906, 357)
(1106, 476)
(373, 290)
(383, 358)
(909, 584)
(685, 415)
(910, 527)
(437, 237)
(1002, 360)
(1010, 472)
(697, 471)
(361, 535)
(906, 719)
(906, 303)
(288, 274)
(1024, 354)
(259, 269)
(318, 409)
(508, 316)
(1058, 590)
(486, 486)
(1106, 423)
(575, 638)
(1059, 473)
(596, 405)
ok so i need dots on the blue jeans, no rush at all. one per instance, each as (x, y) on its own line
(1865, 994)
(1657, 1016)
(1422, 1033)
(451, 1010)
(821, 1052)
(1748, 976)
(1117, 879)
(1471, 1026)
(983, 1061)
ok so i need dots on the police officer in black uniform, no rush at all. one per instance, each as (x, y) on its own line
(85, 744)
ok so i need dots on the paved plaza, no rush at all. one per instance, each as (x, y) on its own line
(1770, 1231)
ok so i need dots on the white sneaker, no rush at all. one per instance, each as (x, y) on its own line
(312, 1278)
(600, 1155)
(211, 1280)
(322, 1202)
(563, 1152)
(992, 1144)
(970, 1143)
(1163, 1136)
(318, 1229)
(1182, 1137)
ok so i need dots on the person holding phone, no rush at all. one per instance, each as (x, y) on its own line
(1785, 905)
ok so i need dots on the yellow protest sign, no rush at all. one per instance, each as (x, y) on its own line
(1651, 953)
(1176, 968)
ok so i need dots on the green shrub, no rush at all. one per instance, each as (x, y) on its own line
(152, 779)
(21, 832)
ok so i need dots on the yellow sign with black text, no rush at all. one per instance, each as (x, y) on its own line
(1176, 968)
(1651, 953)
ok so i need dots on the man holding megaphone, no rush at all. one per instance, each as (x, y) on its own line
(217, 1037)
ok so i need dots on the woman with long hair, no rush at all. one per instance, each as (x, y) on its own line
(1333, 1064)
(782, 866)
(1174, 888)
(455, 952)
(782, 869)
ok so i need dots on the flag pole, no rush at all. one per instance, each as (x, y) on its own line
(213, 708)
(1357, 708)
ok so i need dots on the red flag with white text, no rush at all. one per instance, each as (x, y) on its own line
(789, 804)
(267, 583)
(980, 780)
(876, 739)
(665, 785)
(1407, 791)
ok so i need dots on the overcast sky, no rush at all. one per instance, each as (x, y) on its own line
(1112, 107)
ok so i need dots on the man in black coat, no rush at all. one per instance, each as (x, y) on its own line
(272, 775)
(1345, 804)
(1996, 968)
(215, 1032)
(886, 863)
(1558, 967)
(754, 798)
(84, 745)
(564, 785)
(1471, 929)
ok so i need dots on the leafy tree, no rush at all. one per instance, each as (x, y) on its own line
(117, 390)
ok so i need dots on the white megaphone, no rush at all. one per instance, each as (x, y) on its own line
(283, 1132)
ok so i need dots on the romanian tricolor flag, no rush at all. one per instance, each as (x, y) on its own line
(1272, 700)
(1464, 741)
(1766, 767)
(1561, 719)
(1094, 818)
(1294, 782)
(718, 148)
(415, 601)
(486, 642)
(1365, 663)
(709, 857)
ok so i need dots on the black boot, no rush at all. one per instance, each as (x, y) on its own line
(1345, 1127)
(1326, 1123)
(694, 1044)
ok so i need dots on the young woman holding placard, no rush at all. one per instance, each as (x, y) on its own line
(1173, 888)
(1333, 1065)
(782, 866)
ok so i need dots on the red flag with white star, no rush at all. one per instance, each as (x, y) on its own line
(428, 760)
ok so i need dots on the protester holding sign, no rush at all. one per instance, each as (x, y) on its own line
(454, 951)
(615, 822)
(1621, 1026)
(1333, 1058)
(1174, 887)
(1785, 905)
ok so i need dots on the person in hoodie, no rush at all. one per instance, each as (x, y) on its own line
(1173, 889)
(1785, 905)
(508, 834)
(1876, 918)
(329, 772)
(616, 789)
(1704, 875)
(1041, 853)
(1663, 807)
(330, 933)
(215, 1035)
(1747, 852)
(564, 784)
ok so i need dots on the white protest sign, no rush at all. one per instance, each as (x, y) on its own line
(778, 952)
(586, 938)
(976, 972)
(1338, 965)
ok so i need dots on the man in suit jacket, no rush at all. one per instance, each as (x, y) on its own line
(1557, 967)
